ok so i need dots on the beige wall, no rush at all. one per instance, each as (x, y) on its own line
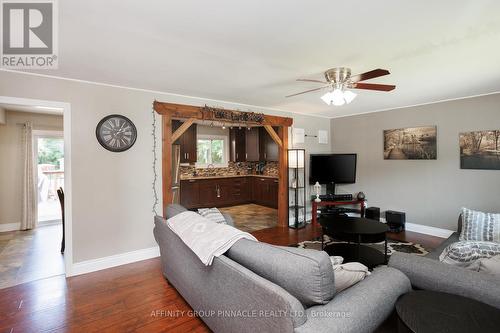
(112, 196)
(11, 159)
(430, 192)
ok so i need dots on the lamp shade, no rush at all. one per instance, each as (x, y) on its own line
(296, 158)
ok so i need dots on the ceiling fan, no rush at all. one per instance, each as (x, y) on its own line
(339, 79)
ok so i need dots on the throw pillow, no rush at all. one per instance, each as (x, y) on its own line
(467, 254)
(347, 275)
(490, 265)
(479, 226)
(212, 214)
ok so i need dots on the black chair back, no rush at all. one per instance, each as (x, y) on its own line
(60, 194)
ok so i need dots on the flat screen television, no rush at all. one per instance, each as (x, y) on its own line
(332, 168)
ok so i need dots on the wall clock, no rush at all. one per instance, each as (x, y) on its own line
(116, 133)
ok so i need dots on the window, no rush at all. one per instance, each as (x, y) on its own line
(211, 150)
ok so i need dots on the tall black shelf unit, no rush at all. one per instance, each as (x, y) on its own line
(297, 204)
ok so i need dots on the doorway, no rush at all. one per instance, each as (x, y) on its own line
(33, 254)
(49, 170)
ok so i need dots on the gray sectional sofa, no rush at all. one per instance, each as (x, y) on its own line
(428, 273)
(258, 287)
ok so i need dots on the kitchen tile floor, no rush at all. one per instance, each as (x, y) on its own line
(252, 217)
(30, 255)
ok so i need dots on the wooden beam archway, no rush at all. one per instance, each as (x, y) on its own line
(170, 111)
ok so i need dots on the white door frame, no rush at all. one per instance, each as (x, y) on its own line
(37, 134)
(68, 211)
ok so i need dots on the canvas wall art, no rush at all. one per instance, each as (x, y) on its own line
(412, 143)
(480, 150)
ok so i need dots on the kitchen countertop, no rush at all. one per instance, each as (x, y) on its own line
(226, 176)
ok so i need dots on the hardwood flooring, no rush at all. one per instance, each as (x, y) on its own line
(128, 298)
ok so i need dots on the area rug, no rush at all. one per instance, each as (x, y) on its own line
(392, 246)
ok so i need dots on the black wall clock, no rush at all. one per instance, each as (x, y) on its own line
(116, 133)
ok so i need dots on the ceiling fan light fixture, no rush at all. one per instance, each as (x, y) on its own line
(349, 96)
(327, 98)
(338, 97)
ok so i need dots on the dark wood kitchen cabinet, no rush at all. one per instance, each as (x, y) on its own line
(237, 142)
(218, 192)
(190, 193)
(268, 149)
(265, 191)
(252, 145)
(187, 141)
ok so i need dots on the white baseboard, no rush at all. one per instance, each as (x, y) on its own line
(50, 222)
(425, 229)
(113, 261)
(428, 230)
(4, 227)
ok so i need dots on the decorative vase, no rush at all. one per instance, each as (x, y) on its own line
(317, 188)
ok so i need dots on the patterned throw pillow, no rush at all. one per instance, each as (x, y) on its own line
(213, 214)
(479, 226)
(468, 254)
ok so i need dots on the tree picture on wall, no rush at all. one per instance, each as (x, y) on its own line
(411, 143)
(480, 150)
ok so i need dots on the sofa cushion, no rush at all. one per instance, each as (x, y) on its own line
(479, 226)
(306, 274)
(174, 209)
(490, 265)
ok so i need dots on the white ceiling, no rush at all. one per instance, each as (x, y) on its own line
(252, 51)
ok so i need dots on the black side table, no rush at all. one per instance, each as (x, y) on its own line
(431, 312)
(355, 231)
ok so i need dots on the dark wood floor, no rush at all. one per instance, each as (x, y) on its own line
(124, 298)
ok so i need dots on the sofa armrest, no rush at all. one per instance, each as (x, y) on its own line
(428, 274)
(360, 308)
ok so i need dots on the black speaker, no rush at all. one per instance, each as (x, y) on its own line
(395, 220)
(373, 213)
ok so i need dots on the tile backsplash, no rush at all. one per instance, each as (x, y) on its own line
(233, 168)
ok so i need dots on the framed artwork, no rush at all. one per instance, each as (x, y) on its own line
(480, 150)
(412, 143)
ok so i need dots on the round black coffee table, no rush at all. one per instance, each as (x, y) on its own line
(431, 311)
(355, 231)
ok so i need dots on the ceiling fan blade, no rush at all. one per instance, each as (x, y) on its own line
(372, 86)
(369, 75)
(308, 80)
(303, 92)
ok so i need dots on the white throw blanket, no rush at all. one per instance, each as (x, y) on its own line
(205, 238)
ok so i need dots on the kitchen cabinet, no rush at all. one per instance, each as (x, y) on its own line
(265, 191)
(237, 140)
(252, 145)
(190, 193)
(187, 142)
(268, 149)
(220, 192)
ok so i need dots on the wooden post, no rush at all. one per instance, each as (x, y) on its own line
(283, 178)
(166, 161)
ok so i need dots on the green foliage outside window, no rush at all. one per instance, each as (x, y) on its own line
(210, 151)
(50, 151)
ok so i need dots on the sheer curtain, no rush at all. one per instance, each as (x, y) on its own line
(30, 197)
